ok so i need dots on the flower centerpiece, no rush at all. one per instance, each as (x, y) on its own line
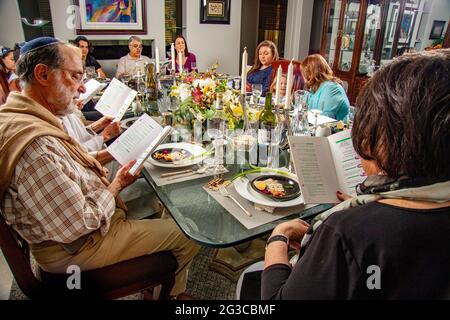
(197, 95)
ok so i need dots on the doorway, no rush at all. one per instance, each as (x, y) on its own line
(263, 20)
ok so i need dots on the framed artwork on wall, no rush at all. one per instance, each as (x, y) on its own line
(111, 17)
(437, 29)
(406, 26)
(215, 11)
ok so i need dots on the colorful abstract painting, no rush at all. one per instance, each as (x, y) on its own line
(123, 11)
(111, 16)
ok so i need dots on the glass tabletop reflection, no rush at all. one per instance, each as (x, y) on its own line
(204, 220)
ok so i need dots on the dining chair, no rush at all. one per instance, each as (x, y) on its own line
(118, 280)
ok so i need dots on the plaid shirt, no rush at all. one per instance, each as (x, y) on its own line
(53, 197)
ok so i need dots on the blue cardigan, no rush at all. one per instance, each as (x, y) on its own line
(331, 99)
(261, 77)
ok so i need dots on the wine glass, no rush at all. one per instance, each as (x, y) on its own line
(300, 124)
(237, 83)
(216, 131)
(256, 92)
(269, 139)
(194, 66)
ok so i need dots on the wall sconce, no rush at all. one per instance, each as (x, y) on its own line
(36, 22)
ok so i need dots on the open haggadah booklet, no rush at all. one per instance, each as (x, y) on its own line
(115, 100)
(92, 88)
(325, 165)
(138, 141)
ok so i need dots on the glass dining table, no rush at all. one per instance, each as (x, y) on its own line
(205, 221)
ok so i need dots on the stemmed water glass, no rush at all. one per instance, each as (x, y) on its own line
(300, 124)
(256, 92)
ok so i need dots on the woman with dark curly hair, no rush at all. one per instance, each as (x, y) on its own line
(393, 240)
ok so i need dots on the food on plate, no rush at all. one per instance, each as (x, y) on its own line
(270, 187)
(169, 156)
(215, 183)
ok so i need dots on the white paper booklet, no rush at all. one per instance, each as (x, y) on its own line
(115, 100)
(92, 88)
(320, 119)
(136, 140)
(325, 165)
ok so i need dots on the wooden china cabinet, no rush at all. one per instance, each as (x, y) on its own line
(360, 35)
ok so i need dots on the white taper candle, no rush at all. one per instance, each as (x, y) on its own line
(157, 59)
(244, 71)
(172, 54)
(277, 91)
(290, 74)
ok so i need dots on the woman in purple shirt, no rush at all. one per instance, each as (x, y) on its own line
(189, 60)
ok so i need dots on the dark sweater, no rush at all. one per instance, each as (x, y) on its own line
(411, 248)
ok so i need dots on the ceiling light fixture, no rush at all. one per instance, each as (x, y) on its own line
(36, 22)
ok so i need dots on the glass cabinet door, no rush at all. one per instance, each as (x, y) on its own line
(332, 30)
(391, 25)
(372, 23)
(351, 15)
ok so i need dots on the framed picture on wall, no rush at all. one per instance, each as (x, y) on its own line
(437, 29)
(406, 26)
(215, 11)
(111, 17)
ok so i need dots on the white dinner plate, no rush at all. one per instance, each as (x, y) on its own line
(193, 149)
(245, 190)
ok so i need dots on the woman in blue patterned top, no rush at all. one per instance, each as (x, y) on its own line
(261, 72)
(327, 95)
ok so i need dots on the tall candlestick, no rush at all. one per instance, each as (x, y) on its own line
(244, 72)
(157, 59)
(180, 62)
(172, 54)
(277, 92)
(290, 74)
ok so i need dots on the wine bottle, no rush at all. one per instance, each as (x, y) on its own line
(151, 86)
(267, 119)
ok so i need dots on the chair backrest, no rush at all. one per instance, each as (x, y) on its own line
(17, 254)
(298, 81)
(109, 282)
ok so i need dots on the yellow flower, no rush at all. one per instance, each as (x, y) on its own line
(237, 110)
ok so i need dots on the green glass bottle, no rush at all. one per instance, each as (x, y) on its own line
(267, 118)
(151, 89)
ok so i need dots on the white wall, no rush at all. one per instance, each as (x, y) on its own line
(438, 10)
(298, 29)
(10, 23)
(155, 26)
(214, 42)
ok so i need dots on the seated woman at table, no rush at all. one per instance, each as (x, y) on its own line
(88, 60)
(261, 72)
(328, 95)
(8, 65)
(396, 232)
(189, 59)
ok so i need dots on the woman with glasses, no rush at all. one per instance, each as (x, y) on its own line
(134, 60)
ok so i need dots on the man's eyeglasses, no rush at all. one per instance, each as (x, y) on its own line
(137, 46)
(76, 76)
